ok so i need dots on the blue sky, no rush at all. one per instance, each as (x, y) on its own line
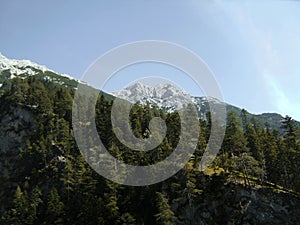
(253, 48)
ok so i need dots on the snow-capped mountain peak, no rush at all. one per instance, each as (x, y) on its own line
(18, 67)
(166, 96)
(163, 95)
(140, 90)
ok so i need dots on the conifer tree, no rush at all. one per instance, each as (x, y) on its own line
(55, 208)
(234, 141)
(253, 142)
(165, 216)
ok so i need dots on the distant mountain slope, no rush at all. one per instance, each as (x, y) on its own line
(14, 68)
(11, 68)
(167, 96)
(164, 95)
(46, 180)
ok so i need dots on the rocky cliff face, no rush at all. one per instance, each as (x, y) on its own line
(226, 202)
(16, 125)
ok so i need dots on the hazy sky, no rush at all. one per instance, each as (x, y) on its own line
(253, 48)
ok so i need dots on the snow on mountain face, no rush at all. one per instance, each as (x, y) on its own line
(139, 91)
(167, 97)
(164, 96)
(17, 67)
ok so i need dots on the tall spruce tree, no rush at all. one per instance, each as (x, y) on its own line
(165, 215)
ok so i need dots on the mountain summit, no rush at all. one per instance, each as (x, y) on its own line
(165, 96)
(12, 68)
(17, 67)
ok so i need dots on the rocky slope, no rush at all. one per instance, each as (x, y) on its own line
(226, 202)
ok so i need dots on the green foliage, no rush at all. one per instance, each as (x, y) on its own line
(165, 216)
(55, 207)
(234, 142)
(25, 208)
(57, 186)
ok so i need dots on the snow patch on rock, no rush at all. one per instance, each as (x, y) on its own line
(18, 67)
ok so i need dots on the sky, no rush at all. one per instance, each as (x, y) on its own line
(252, 47)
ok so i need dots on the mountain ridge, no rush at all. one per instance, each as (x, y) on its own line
(46, 180)
(21, 66)
(16, 68)
(141, 92)
(166, 96)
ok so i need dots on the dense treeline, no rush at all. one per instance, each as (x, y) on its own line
(52, 183)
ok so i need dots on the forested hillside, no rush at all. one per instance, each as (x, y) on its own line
(45, 180)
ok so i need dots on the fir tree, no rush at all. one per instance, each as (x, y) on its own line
(165, 215)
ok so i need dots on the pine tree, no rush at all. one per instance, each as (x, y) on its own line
(290, 136)
(292, 152)
(234, 141)
(111, 207)
(16, 215)
(244, 118)
(165, 216)
(34, 203)
(253, 142)
(270, 147)
(24, 210)
(55, 208)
